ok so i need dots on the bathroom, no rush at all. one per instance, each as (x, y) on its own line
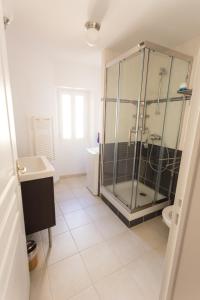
(99, 150)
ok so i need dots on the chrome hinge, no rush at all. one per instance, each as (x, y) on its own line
(176, 219)
(6, 21)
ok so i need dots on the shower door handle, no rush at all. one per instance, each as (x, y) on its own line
(22, 169)
(131, 131)
(129, 139)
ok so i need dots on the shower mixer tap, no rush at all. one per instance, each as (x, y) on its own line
(155, 137)
(131, 131)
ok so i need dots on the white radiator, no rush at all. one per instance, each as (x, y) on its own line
(43, 138)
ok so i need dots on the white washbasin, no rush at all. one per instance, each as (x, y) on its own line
(34, 167)
(94, 150)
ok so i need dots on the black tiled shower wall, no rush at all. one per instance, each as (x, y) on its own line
(148, 176)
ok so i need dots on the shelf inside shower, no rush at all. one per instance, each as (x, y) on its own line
(185, 92)
(145, 194)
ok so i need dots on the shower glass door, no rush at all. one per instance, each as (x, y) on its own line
(153, 147)
(172, 128)
(161, 129)
(110, 113)
(130, 80)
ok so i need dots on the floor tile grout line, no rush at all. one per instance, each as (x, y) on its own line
(74, 228)
(92, 282)
(105, 276)
(74, 210)
(46, 239)
(86, 207)
(70, 231)
(92, 222)
(90, 219)
(46, 267)
(83, 288)
(80, 251)
(122, 267)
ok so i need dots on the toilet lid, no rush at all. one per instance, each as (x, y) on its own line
(167, 215)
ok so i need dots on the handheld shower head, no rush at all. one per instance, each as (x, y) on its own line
(161, 73)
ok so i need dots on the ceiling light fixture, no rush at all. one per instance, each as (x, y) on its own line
(92, 32)
(6, 21)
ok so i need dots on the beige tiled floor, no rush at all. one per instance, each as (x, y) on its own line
(94, 255)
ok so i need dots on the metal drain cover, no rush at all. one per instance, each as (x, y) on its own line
(143, 194)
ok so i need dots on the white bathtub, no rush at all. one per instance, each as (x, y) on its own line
(34, 167)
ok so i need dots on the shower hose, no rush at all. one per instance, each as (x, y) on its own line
(164, 159)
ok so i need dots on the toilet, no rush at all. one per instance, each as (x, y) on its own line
(167, 215)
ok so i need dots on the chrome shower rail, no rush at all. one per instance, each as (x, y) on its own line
(124, 121)
(148, 101)
(153, 47)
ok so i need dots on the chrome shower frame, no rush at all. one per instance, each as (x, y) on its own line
(141, 110)
(154, 47)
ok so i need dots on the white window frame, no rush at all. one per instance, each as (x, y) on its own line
(73, 92)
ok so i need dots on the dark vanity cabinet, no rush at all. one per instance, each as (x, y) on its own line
(38, 204)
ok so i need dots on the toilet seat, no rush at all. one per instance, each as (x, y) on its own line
(167, 215)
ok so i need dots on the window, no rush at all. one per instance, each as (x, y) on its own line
(79, 114)
(72, 114)
(66, 117)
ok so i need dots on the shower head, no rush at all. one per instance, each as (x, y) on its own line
(162, 71)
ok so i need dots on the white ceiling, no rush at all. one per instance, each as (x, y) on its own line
(60, 23)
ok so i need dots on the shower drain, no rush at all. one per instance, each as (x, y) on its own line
(143, 194)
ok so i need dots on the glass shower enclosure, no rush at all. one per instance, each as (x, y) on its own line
(143, 117)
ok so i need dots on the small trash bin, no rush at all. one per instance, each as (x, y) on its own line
(32, 254)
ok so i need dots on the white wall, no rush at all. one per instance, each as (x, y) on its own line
(36, 74)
